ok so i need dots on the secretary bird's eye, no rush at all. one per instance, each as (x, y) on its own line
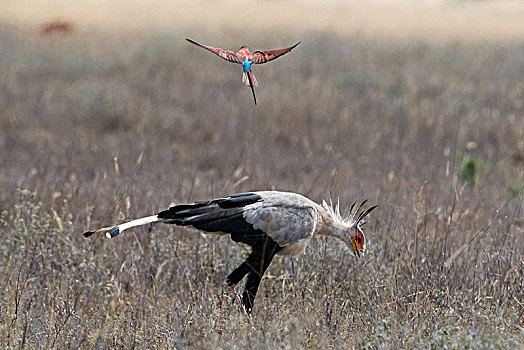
(359, 239)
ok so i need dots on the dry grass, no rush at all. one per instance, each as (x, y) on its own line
(95, 129)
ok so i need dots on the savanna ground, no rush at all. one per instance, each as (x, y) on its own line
(121, 117)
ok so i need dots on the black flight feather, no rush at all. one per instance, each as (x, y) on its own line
(219, 215)
(363, 215)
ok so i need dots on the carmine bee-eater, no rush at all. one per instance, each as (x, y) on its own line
(246, 58)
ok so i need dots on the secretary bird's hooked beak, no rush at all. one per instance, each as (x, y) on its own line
(355, 250)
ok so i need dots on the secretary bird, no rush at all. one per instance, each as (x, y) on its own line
(271, 222)
(246, 58)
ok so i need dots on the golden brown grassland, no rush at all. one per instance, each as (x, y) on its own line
(100, 126)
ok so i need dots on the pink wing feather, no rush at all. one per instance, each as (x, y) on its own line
(228, 55)
(266, 56)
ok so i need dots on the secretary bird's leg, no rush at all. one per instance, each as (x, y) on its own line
(242, 270)
(264, 255)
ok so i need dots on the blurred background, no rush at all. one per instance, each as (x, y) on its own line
(107, 114)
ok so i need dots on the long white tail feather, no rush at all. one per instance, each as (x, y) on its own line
(138, 222)
(113, 231)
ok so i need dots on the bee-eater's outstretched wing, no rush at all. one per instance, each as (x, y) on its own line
(228, 55)
(266, 56)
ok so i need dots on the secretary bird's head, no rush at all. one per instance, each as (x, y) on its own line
(352, 223)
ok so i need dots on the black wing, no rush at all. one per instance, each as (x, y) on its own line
(218, 215)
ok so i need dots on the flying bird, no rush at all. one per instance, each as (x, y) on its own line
(246, 58)
(271, 222)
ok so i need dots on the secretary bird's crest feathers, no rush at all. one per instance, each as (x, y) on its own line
(334, 211)
(352, 218)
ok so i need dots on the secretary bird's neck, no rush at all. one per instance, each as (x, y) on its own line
(331, 223)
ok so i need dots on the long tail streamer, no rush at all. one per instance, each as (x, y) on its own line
(113, 231)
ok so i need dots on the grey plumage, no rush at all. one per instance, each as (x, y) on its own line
(271, 222)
